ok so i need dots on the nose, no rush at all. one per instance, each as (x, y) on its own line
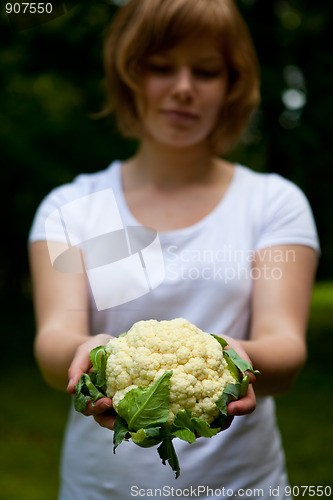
(183, 87)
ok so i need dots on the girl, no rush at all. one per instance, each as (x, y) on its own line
(231, 250)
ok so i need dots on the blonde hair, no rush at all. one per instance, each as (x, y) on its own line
(145, 27)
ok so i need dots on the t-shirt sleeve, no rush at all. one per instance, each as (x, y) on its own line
(288, 218)
(73, 212)
(47, 223)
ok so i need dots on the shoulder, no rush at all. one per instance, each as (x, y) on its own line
(280, 209)
(272, 182)
(270, 192)
(54, 205)
(85, 184)
(81, 185)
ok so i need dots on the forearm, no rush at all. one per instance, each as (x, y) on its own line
(61, 303)
(279, 359)
(279, 315)
(54, 351)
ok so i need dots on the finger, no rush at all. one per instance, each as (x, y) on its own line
(80, 364)
(99, 407)
(252, 377)
(74, 376)
(72, 383)
(103, 412)
(243, 406)
(106, 419)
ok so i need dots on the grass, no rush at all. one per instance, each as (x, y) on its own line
(305, 414)
(305, 421)
(32, 420)
(32, 425)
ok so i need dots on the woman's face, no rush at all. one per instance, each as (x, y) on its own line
(183, 91)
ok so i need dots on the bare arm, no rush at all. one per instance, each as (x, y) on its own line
(61, 311)
(281, 299)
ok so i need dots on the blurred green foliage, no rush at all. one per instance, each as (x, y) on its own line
(51, 81)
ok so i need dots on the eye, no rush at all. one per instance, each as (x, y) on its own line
(159, 67)
(207, 73)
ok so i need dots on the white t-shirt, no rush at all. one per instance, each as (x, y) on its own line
(202, 273)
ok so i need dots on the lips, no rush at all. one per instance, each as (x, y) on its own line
(180, 116)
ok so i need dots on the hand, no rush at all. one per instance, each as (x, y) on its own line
(246, 404)
(81, 362)
(101, 410)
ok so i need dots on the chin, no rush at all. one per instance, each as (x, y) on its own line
(179, 143)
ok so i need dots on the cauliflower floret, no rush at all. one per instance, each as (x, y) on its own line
(183, 354)
(120, 394)
(140, 358)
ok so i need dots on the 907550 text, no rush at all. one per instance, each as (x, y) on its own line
(29, 8)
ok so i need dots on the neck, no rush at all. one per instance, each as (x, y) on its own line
(170, 168)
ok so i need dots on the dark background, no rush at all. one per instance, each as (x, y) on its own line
(51, 80)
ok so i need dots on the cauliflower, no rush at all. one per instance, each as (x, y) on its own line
(199, 370)
(167, 379)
